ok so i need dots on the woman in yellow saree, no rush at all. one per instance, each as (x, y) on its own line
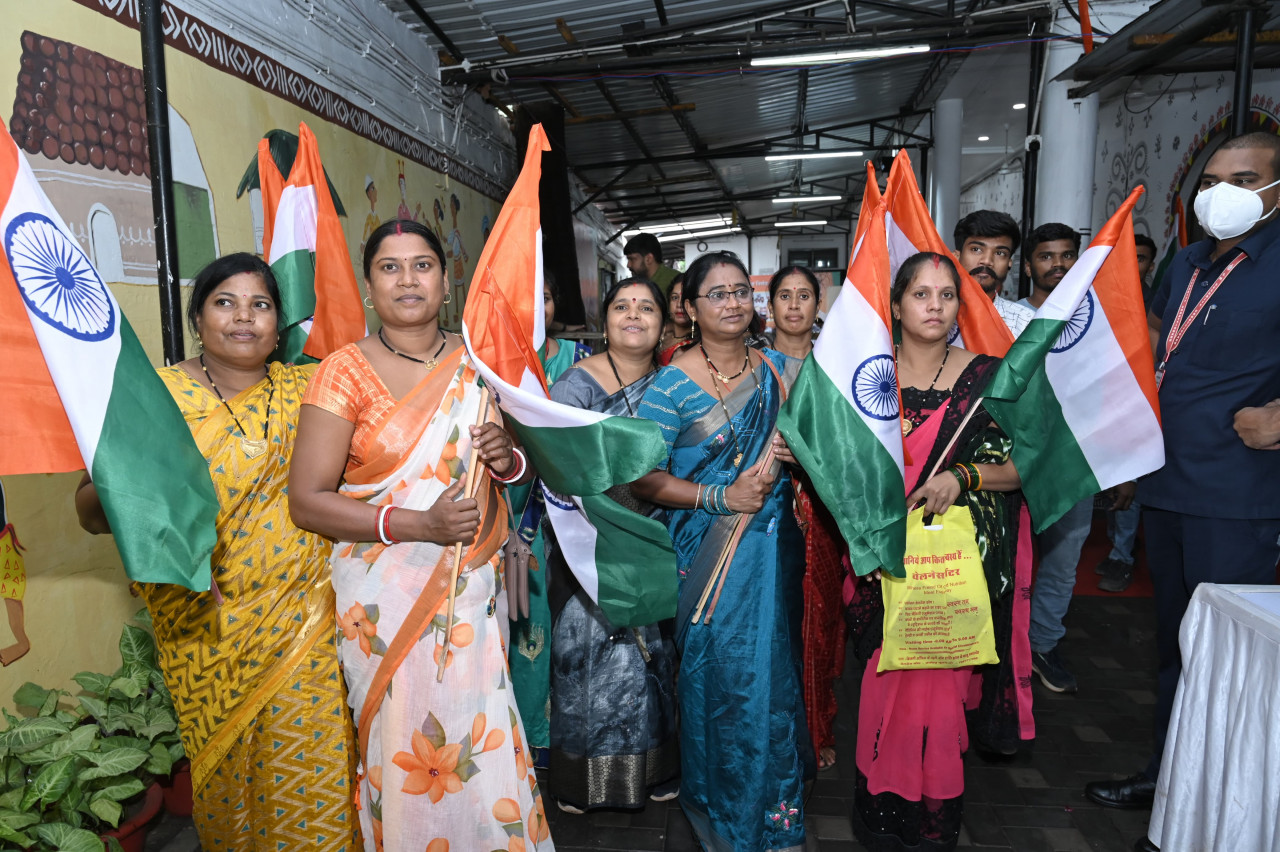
(252, 664)
(384, 440)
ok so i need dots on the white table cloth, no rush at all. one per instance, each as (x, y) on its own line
(1219, 786)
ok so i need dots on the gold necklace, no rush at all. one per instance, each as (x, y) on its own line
(737, 459)
(711, 367)
(252, 447)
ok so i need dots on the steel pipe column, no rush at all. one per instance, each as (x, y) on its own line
(948, 133)
(1069, 132)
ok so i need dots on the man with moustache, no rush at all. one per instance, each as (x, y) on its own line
(1212, 513)
(1051, 250)
(986, 241)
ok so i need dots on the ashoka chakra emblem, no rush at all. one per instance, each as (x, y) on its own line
(561, 501)
(56, 280)
(1076, 326)
(875, 388)
(954, 334)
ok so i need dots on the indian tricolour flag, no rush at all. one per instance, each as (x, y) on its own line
(910, 229)
(320, 308)
(623, 560)
(841, 418)
(1077, 390)
(82, 394)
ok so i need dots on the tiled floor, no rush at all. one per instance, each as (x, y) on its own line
(1032, 803)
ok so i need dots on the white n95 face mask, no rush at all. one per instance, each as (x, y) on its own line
(1226, 210)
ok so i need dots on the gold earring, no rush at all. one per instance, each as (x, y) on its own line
(448, 297)
(368, 302)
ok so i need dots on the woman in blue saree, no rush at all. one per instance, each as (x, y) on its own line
(744, 746)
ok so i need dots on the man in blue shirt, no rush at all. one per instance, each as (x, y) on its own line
(1212, 513)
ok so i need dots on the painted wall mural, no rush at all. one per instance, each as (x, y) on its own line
(70, 81)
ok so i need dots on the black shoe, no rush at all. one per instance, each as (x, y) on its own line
(1145, 845)
(1117, 577)
(1053, 673)
(1132, 793)
(1107, 566)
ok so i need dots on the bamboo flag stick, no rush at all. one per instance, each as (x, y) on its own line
(473, 480)
(727, 553)
(733, 543)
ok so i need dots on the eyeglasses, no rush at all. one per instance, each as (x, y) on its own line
(718, 297)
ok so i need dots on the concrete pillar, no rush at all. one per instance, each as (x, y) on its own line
(1069, 141)
(944, 165)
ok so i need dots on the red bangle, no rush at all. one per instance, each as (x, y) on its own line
(384, 526)
(518, 455)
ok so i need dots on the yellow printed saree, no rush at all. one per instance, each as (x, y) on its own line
(444, 763)
(255, 680)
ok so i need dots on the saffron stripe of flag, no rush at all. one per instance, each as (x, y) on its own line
(624, 560)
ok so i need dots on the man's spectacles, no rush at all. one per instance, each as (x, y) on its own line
(718, 297)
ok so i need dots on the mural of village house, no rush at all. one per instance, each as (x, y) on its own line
(82, 119)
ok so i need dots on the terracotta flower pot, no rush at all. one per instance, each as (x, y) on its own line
(132, 833)
(178, 797)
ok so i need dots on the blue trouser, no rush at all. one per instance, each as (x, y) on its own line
(1122, 529)
(1060, 547)
(1184, 551)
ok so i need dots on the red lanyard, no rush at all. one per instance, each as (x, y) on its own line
(1179, 327)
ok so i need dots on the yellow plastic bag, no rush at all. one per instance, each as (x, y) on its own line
(939, 615)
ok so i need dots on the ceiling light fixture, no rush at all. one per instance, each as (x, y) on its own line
(840, 55)
(715, 232)
(800, 199)
(984, 138)
(812, 155)
(1019, 106)
(811, 223)
(668, 227)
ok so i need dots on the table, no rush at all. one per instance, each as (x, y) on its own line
(1219, 786)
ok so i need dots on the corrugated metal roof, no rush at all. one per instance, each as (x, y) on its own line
(733, 109)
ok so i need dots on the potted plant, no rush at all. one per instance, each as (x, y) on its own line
(69, 773)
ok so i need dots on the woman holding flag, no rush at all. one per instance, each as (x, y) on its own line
(399, 459)
(251, 665)
(912, 723)
(745, 749)
(613, 712)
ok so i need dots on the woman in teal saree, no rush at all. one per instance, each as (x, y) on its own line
(745, 749)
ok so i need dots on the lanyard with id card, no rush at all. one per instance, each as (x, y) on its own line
(1179, 328)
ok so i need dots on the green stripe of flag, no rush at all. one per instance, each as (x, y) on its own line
(1054, 471)
(590, 459)
(854, 475)
(152, 480)
(640, 587)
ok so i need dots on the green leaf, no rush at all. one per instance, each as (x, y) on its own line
(113, 845)
(110, 763)
(106, 810)
(15, 773)
(137, 646)
(76, 740)
(93, 707)
(66, 838)
(434, 731)
(124, 687)
(160, 763)
(176, 751)
(17, 819)
(93, 682)
(50, 782)
(50, 705)
(30, 734)
(465, 770)
(38, 756)
(377, 646)
(371, 612)
(126, 789)
(12, 800)
(13, 835)
(31, 695)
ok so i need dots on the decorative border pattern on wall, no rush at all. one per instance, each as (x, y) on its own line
(194, 37)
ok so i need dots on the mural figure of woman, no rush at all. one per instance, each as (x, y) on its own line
(13, 586)
(457, 253)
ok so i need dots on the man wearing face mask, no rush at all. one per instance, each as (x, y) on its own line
(1212, 513)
